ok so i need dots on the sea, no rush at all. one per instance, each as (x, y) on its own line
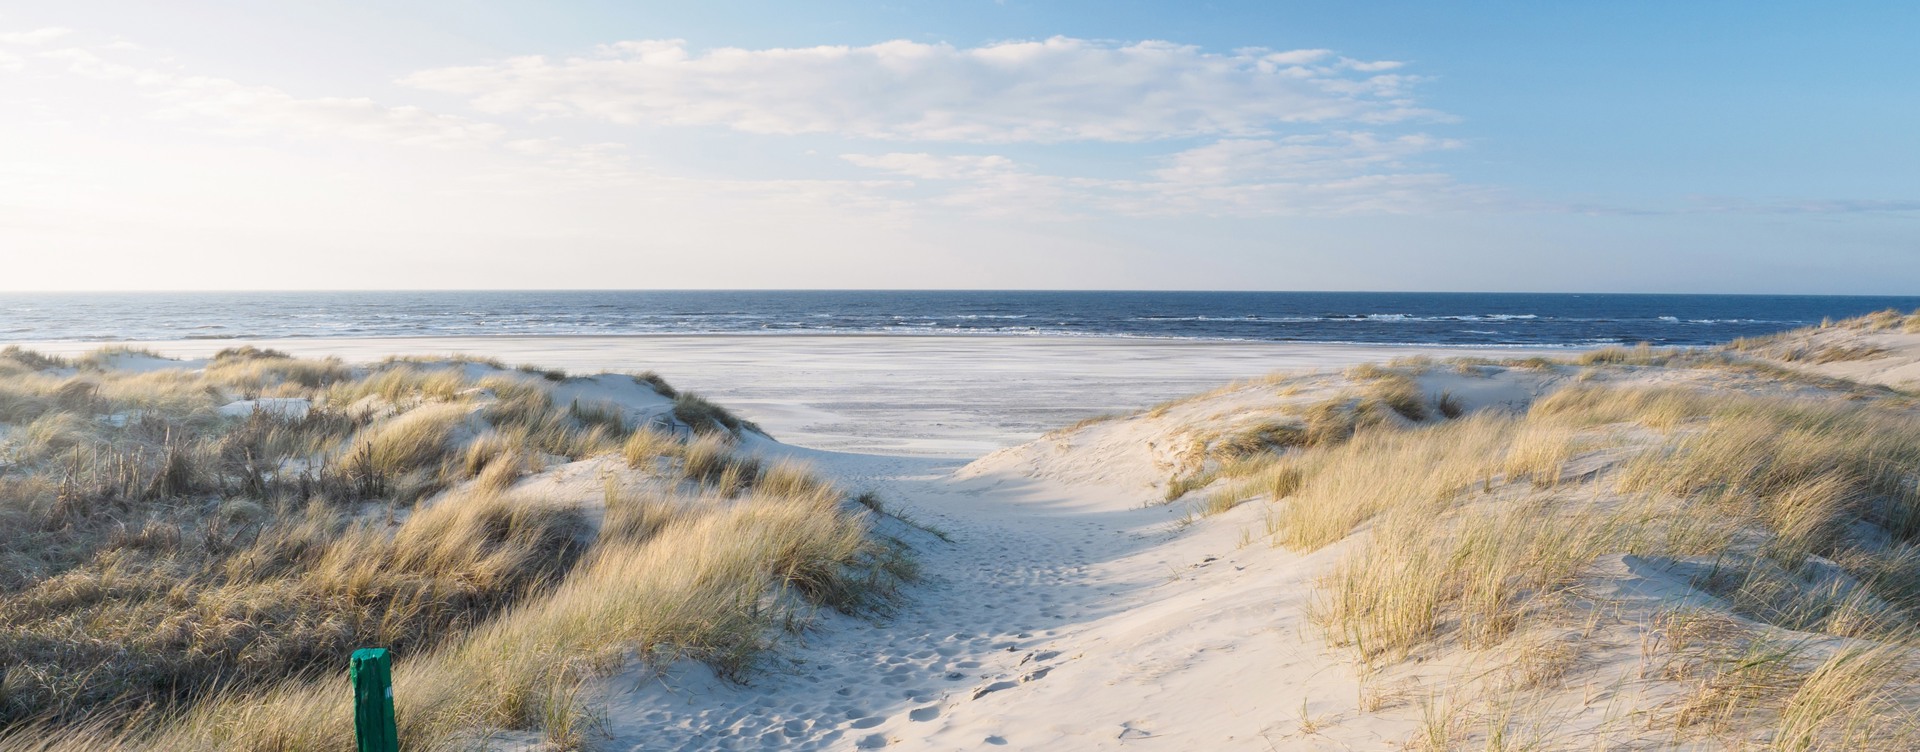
(1444, 319)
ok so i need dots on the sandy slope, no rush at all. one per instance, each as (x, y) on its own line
(939, 396)
(1071, 610)
(1853, 350)
(1060, 617)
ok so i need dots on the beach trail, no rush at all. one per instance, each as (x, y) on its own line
(1058, 616)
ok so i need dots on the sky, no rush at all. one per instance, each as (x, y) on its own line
(1720, 147)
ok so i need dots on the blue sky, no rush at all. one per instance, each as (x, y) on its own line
(1662, 147)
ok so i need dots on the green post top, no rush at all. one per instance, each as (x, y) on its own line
(371, 672)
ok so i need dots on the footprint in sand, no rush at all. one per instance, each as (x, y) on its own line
(868, 722)
(927, 713)
(992, 688)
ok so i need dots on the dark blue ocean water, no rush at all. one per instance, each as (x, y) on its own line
(1464, 319)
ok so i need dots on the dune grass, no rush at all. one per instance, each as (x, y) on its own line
(1382, 396)
(178, 575)
(669, 581)
(1798, 508)
(1805, 510)
(706, 417)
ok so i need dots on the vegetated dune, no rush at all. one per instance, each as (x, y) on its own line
(1636, 548)
(1630, 549)
(191, 549)
(1882, 348)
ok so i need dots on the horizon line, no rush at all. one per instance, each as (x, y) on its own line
(1915, 295)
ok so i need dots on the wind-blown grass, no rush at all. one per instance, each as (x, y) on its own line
(1797, 506)
(175, 573)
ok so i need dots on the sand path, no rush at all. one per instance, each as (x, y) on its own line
(1057, 618)
(1018, 572)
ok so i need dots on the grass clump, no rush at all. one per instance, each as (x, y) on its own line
(177, 573)
(655, 382)
(32, 360)
(550, 374)
(249, 352)
(666, 580)
(704, 416)
(270, 595)
(1801, 513)
(646, 445)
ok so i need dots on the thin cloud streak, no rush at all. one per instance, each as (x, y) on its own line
(1055, 90)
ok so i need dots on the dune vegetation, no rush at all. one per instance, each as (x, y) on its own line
(189, 551)
(1660, 548)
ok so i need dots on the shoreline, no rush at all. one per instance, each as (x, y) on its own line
(214, 344)
(954, 397)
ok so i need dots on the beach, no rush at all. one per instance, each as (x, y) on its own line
(938, 396)
(1064, 543)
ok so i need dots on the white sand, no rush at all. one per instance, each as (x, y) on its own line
(1059, 618)
(1073, 611)
(1069, 612)
(944, 396)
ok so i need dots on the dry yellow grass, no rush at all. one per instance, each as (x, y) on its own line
(173, 576)
(1801, 512)
(693, 584)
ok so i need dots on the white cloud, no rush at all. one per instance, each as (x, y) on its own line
(1320, 156)
(1059, 89)
(1040, 91)
(1330, 174)
(229, 106)
(933, 166)
(37, 36)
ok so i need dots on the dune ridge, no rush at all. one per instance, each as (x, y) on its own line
(1631, 548)
(193, 546)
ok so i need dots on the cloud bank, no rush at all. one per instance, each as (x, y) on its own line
(1056, 90)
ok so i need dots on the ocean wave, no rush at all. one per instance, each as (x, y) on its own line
(1384, 318)
(1237, 319)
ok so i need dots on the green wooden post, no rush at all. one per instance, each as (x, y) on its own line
(372, 676)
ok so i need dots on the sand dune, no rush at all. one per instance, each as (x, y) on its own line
(1623, 549)
(1075, 608)
(956, 397)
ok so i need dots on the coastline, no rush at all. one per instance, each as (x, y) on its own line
(948, 396)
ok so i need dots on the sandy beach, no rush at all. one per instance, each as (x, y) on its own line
(1180, 576)
(950, 397)
(940, 377)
